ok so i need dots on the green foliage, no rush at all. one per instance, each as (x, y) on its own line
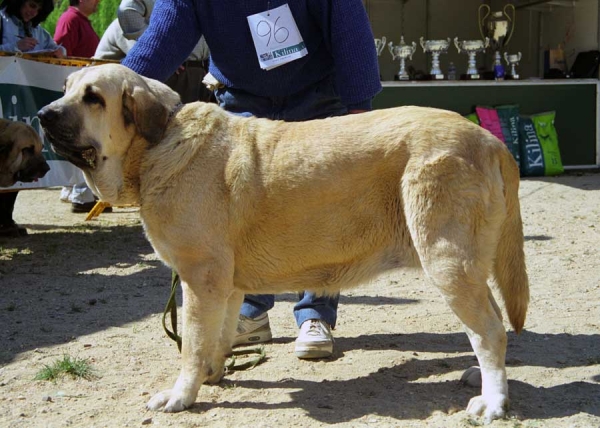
(76, 367)
(106, 13)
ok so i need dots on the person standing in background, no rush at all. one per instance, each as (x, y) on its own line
(74, 31)
(331, 70)
(22, 32)
(134, 18)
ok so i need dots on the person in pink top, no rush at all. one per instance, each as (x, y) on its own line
(74, 30)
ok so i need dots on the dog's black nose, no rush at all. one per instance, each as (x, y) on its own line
(46, 115)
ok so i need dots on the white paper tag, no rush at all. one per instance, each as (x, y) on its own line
(276, 37)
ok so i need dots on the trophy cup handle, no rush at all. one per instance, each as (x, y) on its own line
(391, 48)
(487, 43)
(510, 7)
(383, 40)
(422, 41)
(506, 58)
(519, 55)
(482, 19)
(414, 48)
(457, 44)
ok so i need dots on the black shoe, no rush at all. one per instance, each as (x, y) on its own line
(87, 207)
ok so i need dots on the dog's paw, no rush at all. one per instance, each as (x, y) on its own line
(490, 407)
(169, 402)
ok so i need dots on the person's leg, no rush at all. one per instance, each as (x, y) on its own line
(8, 227)
(316, 316)
(257, 304)
(83, 199)
(253, 324)
(311, 307)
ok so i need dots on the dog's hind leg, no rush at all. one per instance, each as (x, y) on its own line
(454, 220)
(206, 291)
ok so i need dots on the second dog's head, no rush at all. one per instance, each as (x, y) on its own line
(21, 157)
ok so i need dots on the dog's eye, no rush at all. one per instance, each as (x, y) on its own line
(28, 150)
(92, 98)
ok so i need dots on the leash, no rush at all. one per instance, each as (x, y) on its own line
(172, 309)
(231, 366)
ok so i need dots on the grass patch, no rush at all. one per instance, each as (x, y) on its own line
(73, 366)
(8, 253)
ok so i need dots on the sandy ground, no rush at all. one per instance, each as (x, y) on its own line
(95, 290)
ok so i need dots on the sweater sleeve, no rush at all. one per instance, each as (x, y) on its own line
(348, 33)
(171, 36)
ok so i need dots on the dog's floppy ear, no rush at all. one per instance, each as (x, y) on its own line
(146, 111)
(5, 149)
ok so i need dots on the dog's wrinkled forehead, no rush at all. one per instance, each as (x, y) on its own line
(105, 80)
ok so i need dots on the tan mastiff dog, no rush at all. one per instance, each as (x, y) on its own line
(244, 205)
(21, 157)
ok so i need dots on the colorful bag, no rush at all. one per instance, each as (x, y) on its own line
(509, 122)
(546, 133)
(473, 118)
(540, 155)
(488, 118)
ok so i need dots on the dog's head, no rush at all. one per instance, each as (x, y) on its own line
(103, 123)
(21, 157)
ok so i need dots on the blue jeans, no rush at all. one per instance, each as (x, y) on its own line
(316, 102)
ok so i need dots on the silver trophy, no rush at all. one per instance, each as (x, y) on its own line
(513, 60)
(402, 52)
(436, 47)
(472, 48)
(498, 26)
(379, 45)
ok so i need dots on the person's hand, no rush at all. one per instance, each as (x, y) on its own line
(58, 53)
(26, 44)
(356, 111)
(180, 69)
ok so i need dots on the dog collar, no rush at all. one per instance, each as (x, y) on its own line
(173, 112)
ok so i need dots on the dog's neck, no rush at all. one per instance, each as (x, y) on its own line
(129, 193)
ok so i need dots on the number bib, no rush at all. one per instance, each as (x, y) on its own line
(276, 37)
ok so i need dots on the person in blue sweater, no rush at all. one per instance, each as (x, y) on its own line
(285, 60)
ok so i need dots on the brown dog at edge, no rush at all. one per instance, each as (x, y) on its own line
(244, 205)
(21, 157)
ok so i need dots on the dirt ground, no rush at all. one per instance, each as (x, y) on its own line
(95, 290)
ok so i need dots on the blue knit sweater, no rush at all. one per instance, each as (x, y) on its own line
(337, 35)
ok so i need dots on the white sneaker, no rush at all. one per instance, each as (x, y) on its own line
(253, 330)
(314, 340)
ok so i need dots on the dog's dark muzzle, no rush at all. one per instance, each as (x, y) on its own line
(63, 133)
(33, 171)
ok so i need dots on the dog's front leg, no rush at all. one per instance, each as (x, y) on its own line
(204, 309)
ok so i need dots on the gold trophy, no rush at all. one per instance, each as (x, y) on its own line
(499, 27)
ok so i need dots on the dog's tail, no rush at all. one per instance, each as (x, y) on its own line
(509, 264)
